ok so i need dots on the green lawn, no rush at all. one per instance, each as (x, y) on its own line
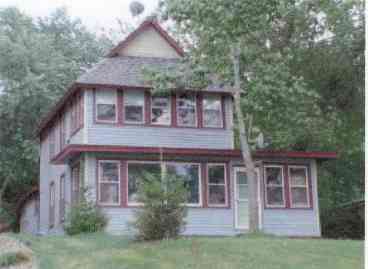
(252, 251)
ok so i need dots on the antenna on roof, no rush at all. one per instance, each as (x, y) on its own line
(136, 8)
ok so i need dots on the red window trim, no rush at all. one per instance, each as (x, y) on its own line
(120, 121)
(123, 190)
(226, 184)
(286, 187)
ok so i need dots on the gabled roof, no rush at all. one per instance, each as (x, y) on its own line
(144, 26)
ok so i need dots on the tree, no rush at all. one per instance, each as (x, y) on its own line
(38, 61)
(230, 39)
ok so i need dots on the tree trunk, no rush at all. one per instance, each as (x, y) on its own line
(245, 149)
(2, 190)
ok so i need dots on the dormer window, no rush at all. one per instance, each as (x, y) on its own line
(134, 106)
(186, 110)
(106, 106)
(212, 111)
(160, 110)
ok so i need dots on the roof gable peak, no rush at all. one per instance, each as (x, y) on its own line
(145, 42)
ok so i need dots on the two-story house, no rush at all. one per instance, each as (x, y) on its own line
(108, 129)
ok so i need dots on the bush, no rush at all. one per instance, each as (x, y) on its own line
(12, 258)
(85, 217)
(344, 221)
(163, 212)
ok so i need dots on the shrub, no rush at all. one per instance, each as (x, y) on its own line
(12, 258)
(163, 211)
(344, 221)
(85, 217)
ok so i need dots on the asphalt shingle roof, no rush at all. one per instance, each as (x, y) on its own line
(127, 71)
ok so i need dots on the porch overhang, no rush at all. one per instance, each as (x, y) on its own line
(74, 150)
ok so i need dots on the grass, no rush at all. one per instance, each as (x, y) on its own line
(252, 251)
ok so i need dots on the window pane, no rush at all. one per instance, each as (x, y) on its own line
(190, 174)
(216, 174)
(217, 194)
(242, 178)
(273, 175)
(186, 110)
(134, 113)
(106, 112)
(212, 111)
(275, 196)
(298, 176)
(136, 173)
(243, 191)
(299, 196)
(109, 193)
(109, 171)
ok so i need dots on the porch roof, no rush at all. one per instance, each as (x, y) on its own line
(73, 150)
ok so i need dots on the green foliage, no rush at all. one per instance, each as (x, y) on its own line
(12, 258)
(85, 217)
(7, 216)
(39, 59)
(344, 222)
(163, 211)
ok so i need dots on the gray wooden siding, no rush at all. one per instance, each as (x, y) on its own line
(50, 173)
(104, 134)
(295, 222)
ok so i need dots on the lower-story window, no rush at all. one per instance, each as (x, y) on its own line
(299, 190)
(109, 182)
(52, 205)
(217, 185)
(187, 172)
(274, 185)
(136, 174)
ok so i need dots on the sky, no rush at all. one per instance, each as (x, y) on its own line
(95, 14)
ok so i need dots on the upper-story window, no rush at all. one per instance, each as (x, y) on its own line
(62, 131)
(212, 111)
(106, 106)
(186, 110)
(134, 106)
(160, 110)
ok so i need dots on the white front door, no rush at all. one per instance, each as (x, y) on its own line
(241, 198)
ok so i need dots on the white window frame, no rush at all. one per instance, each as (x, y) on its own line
(274, 185)
(115, 96)
(221, 111)
(195, 111)
(169, 108)
(108, 182)
(143, 108)
(165, 164)
(215, 184)
(306, 186)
